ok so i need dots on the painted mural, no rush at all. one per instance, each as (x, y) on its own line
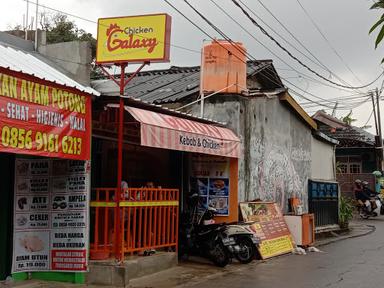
(280, 173)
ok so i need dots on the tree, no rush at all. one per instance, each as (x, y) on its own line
(348, 119)
(379, 4)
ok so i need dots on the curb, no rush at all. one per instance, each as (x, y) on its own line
(370, 231)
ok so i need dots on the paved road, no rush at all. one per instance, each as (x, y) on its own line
(351, 263)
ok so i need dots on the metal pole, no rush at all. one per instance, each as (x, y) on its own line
(119, 163)
(122, 83)
(379, 122)
(374, 113)
(202, 105)
(202, 82)
(26, 22)
(37, 15)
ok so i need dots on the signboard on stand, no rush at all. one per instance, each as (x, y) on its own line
(51, 215)
(270, 227)
(42, 120)
(209, 177)
(133, 39)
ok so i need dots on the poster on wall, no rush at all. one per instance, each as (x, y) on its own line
(270, 226)
(209, 177)
(51, 215)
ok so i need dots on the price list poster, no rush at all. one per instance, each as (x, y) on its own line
(51, 215)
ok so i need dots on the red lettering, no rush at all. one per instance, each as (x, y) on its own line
(115, 41)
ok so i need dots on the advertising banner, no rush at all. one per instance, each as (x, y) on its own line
(134, 39)
(43, 120)
(51, 215)
(209, 177)
(270, 227)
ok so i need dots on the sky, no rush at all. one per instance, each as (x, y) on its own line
(347, 52)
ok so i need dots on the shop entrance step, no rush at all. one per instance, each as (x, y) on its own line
(108, 272)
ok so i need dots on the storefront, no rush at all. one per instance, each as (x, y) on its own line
(45, 137)
(167, 156)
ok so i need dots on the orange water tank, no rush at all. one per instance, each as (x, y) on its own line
(224, 65)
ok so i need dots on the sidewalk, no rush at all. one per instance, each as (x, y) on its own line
(357, 228)
(199, 270)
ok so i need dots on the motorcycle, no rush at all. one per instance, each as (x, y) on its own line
(218, 242)
(379, 209)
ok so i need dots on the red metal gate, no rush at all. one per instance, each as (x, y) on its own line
(149, 218)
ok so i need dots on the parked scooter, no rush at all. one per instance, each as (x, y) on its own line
(218, 242)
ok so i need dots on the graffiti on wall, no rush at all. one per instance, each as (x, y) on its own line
(280, 173)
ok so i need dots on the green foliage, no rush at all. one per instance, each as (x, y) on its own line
(338, 168)
(379, 25)
(348, 119)
(345, 210)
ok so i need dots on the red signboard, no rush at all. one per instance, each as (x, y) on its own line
(71, 260)
(41, 119)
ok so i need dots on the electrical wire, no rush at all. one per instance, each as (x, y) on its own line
(294, 57)
(249, 55)
(277, 33)
(294, 37)
(188, 49)
(326, 40)
(95, 22)
(273, 53)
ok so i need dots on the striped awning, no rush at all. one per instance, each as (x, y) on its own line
(175, 133)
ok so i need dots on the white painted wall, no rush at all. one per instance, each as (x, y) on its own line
(323, 161)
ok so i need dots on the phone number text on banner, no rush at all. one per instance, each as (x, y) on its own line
(43, 120)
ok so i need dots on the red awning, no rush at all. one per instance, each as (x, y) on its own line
(170, 132)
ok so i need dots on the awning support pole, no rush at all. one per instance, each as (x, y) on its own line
(122, 83)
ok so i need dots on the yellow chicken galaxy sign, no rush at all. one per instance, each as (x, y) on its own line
(134, 39)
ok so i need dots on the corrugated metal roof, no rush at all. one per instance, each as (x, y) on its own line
(170, 85)
(28, 63)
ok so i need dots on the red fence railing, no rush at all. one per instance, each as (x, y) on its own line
(148, 218)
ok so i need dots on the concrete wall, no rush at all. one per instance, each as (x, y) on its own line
(74, 57)
(276, 156)
(323, 161)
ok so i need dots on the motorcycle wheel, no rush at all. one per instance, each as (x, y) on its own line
(247, 250)
(363, 213)
(219, 255)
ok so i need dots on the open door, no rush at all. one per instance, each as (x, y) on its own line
(7, 162)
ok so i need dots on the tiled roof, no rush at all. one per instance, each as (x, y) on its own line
(347, 135)
(176, 83)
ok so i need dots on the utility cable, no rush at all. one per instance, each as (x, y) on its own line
(242, 51)
(277, 56)
(295, 58)
(294, 37)
(326, 40)
(82, 18)
(277, 33)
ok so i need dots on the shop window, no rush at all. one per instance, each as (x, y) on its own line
(343, 168)
(342, 159)
(349, 164)
(354, 167)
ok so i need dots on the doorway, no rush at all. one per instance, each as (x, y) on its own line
(7, 162)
